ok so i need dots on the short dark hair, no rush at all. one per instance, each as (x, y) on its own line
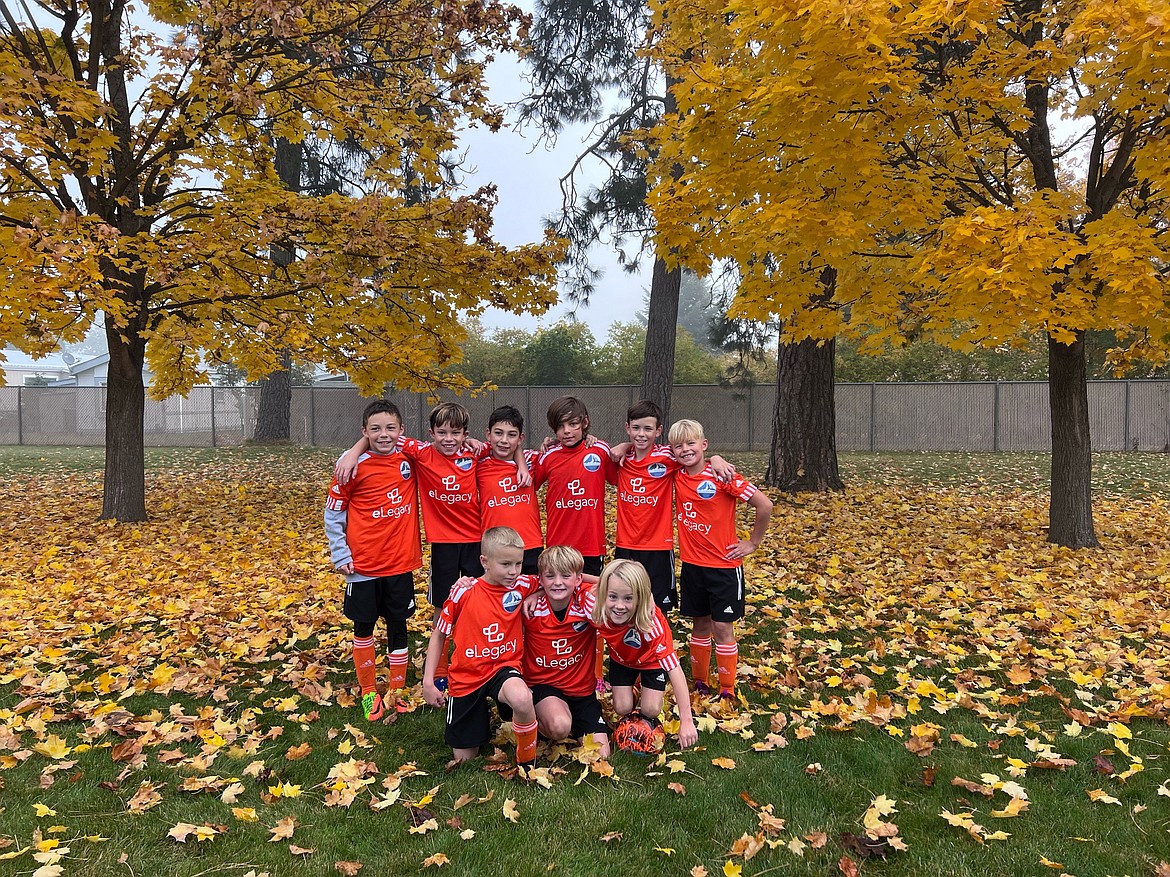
(507, 414)
(380, 406)
(566, 408)
(450, 414)
(644, 408)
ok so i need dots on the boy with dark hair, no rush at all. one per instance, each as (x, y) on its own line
(372, 526)
(712, 554)
(485, 621)
(504, 499)
(576, 473)
(559, 645)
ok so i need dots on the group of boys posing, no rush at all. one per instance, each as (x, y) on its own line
(526, 620)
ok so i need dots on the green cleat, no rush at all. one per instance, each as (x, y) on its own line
(372, 706)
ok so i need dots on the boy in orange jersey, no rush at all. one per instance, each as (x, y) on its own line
(504, 498)
(484, 619)
(372, 526)
(559, 645)
(575, 475)
(449, 499)
(645, 524)
(711, 582)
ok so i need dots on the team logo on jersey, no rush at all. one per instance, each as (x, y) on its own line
(404, 469)
(633, 639)
(656, 470)
(511, 601)
(706, 489)
(580, 626)
(463, 463)
(591, 461)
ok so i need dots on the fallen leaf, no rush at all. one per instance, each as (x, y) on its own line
(511, 813)
(436, 861)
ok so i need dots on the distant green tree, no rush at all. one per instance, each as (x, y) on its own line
(565, 353)
(620, 358)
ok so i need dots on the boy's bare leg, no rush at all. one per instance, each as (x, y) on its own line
(651, 703)
(465, 754)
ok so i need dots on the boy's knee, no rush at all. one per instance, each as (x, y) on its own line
(558, 727)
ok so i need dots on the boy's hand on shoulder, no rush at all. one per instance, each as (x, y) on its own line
(590, 440)
(618, 452)
(549, 442)
(723, 470)
(346, 466)
(432, 695)
(474, 445)
(529, 604)
(463, 582)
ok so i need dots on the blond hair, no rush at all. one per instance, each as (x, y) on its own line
(632, 574)
(499, 537)
(561, 559)
(685, 431)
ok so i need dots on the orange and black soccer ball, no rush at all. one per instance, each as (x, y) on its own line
(639, 735)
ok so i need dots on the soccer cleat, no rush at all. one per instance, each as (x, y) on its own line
(441, 683)
(372, 706)
(702, 689)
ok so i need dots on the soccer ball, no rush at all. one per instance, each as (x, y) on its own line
(639, 735)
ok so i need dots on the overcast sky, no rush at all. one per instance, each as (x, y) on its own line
(527, 175)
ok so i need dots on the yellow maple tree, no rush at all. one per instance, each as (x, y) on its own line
(138, 185)
(972, 171)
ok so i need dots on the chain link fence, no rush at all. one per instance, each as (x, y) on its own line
(1124, 415)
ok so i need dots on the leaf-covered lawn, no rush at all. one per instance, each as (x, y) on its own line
(929, 688)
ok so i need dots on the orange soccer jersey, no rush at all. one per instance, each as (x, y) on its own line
(447, 492)
(638, 650)
(487, 624)
(380, 504)
(574, 500)
(706, 516)
(645, 489)
(503, 504)
(559, 652)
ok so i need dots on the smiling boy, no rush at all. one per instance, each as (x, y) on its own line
(504, 502)
(372, 526)
(711, 582)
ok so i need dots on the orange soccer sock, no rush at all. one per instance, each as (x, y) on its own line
(726, 662)
(701, 659)
(599, 659)
(525, 742)
(398, 660)
(365, 661)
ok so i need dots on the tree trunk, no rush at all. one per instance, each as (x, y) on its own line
(661, 328)
(804, 425)
(1070, 512)
(124, 489)
(274, 411)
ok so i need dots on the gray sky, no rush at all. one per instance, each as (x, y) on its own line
(527, 176)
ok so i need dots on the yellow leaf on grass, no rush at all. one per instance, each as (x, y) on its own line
(1100, 796)
(1014, 807)
(511, 813)
(666, 851)
(732, 869)
(52, 747)
(424, 827)
(1048, 863)
(41, 810)
(245, 814)
(725, 763)
(436, 861)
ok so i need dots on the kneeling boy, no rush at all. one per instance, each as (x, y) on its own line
(559, 645)
(484, 619)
